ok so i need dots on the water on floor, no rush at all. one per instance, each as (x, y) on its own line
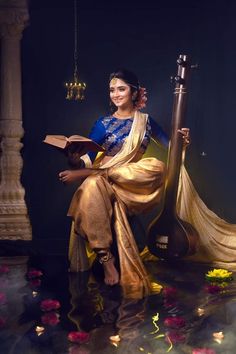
(44, 309)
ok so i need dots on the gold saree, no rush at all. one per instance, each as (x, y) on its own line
(124, 187)
(121, 187)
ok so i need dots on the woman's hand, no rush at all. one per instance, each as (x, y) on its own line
(70, 176)
(186, 136)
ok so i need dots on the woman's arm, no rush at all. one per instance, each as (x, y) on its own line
(159, 136)
(70, 176)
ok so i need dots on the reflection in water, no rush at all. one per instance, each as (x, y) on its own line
(189, 316)
(95, 308)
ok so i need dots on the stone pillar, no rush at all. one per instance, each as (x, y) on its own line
(14, 221)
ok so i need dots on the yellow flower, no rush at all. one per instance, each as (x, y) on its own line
(219, 273)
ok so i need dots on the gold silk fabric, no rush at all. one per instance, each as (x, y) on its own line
(124, 187)
(108, 197)
(119, 188)
(217, 237)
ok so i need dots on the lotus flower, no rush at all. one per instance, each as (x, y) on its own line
(34, 273)
(219, 275)
(49, 305)
(174, 322)
(78, 337)
(50, 318)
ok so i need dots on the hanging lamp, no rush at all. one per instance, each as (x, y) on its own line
(75, 89)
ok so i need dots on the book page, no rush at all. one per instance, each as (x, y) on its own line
(78, 138)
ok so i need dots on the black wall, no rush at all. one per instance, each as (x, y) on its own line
(146, 37)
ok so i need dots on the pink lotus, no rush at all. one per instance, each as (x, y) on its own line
(169, 292)
(49, 305)
(3, 299)
(175, 322)
(175, 337)
(2, 322)
(203, 351)
(78, 337)
(34, 273)
(4, 269)
(50, 318)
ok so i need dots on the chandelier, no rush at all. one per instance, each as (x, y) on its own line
(75, 88)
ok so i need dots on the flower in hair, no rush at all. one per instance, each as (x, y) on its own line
(141, 99)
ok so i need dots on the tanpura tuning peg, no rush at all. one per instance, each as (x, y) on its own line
(177, 80)
(181, 61)
(194, 66)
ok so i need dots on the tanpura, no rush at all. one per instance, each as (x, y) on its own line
(169, 237)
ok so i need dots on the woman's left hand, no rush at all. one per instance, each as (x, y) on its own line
(186, 136)
(70, 176)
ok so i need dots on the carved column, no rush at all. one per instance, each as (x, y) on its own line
(14, 221)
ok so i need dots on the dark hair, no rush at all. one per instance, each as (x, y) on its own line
(129, 78)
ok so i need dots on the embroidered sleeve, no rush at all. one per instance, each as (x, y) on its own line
(97, 134)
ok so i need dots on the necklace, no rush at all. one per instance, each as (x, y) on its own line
(128, 115)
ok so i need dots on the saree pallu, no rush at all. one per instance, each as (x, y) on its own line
(107, 197)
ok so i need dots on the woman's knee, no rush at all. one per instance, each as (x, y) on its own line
(91, 182)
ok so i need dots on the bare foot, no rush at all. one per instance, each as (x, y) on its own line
(111, 273)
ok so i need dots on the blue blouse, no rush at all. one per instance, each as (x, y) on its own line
(111, 132)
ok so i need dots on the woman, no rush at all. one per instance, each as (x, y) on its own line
(119, 183)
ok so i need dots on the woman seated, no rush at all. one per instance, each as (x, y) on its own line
(118, 184)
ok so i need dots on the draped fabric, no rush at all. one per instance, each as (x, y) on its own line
(107, 197)
(124, 187)
(119, 187)
(217, 237)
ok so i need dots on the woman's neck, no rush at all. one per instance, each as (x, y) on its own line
(124, 113)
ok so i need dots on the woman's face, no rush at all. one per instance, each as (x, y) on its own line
(120, 94)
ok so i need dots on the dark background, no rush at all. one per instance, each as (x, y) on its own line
(146, 37)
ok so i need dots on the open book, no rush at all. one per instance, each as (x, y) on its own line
(82, 142)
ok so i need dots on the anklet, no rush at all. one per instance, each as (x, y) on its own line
(104, 256)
